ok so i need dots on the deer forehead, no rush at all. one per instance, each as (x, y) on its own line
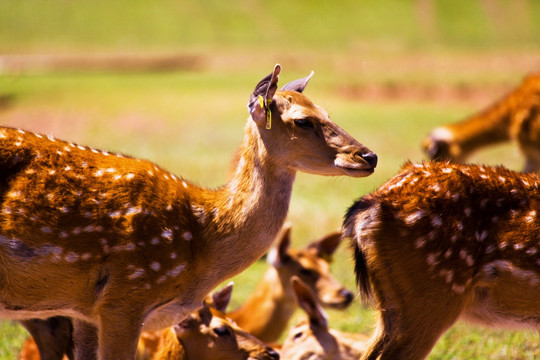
(314, 263)
(298, 106)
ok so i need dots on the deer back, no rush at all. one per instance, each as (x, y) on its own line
(441, 241)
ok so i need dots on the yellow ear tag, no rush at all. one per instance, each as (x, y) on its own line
(266, 108)
(268, 116)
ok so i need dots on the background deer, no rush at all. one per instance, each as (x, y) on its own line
(312, 339)
(206, 334)
(273, 300)
(514, 117)
(439, 242)
(120, 244)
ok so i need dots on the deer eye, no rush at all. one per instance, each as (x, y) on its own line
(221, 331)
(303, 123)
(298, 335)
(308, 272)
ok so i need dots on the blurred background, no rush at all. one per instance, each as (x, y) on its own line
(169, 81)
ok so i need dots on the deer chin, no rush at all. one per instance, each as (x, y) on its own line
(352, 168)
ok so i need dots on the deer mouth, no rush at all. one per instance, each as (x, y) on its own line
(354, 169)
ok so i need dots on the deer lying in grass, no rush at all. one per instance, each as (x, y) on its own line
(440, 242)
(514, 117)
(312, 339)
(273, 300)
(206, 334)
(119, 243)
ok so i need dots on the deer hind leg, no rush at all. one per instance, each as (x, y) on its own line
(53, 337)
(378, 339)
(416, 327)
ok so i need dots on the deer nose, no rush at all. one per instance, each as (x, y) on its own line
(272, 353)
(370, 158)
(349, 296)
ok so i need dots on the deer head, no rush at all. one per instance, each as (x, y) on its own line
(289, 117)
(208, 334)
(312, 266)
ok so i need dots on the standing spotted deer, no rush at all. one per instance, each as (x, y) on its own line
(273, 300)
(439, 242)
(206, 334)
(515, 117)
(119, 244)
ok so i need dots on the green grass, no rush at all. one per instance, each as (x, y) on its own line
(191, 123)
(44, 26)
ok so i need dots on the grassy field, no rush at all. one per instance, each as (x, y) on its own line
(190, 122)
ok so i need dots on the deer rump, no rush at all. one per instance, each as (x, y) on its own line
(439, 242)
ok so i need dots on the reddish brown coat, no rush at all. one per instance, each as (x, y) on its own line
(441, 241)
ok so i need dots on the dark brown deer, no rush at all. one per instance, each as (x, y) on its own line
(514, 117)
(439, 242)
(120, 244)
(266, 312)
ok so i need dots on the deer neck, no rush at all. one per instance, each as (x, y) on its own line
(495, 124)
(274, 304)
(249, 211)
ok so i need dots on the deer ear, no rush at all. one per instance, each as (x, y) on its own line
(222, 297)
(327, 245)
(279, 252)
(308, 302)
(260, 100)
(298, 85)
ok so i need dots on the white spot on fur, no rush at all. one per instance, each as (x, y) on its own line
(421, 241)
(130, 176)
(136, 274)
(14, 194)
(481, 236)
(413, 218)
(46, 229)
(187, 235)
(447, 274)
(114, 214)
(71, 257)
(432, 259)
(167, 234)
(531, 215)
(436, 220)
(458, 289)
(134, 210)
(155, 266)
